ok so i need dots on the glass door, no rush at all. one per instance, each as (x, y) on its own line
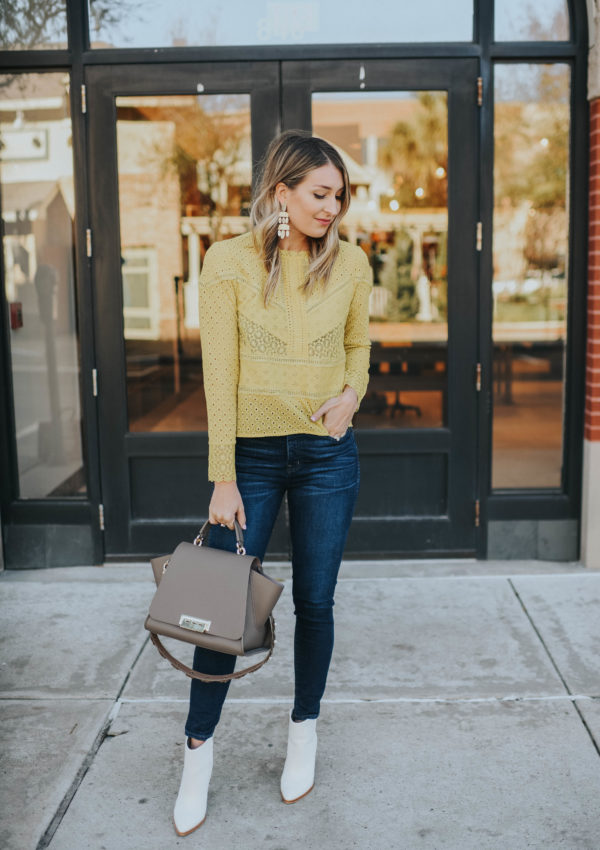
(172, 154)
(408, 133)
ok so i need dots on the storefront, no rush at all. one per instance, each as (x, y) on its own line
(130, 142)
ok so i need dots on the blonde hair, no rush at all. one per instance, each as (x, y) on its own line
(290, 157)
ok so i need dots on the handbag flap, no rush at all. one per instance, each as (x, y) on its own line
(207, 584)
(265, 593)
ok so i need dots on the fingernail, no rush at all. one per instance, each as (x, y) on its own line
(313, 418)
(244, 527)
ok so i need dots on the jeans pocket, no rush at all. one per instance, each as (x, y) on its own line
(342, 439)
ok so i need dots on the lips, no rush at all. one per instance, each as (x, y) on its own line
(324, 220)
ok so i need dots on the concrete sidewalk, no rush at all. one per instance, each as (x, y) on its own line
(462, 711)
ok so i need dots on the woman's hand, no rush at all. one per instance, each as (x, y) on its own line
(226, 504)
(337, 412)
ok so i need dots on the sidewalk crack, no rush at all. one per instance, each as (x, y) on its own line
(556, 667)
(64, 804)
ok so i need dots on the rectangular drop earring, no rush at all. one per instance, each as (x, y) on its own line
(283, 228)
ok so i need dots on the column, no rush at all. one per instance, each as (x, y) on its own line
(590, 509)
(190, 287)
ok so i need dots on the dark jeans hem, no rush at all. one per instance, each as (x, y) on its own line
(299, 719)
(198, 737)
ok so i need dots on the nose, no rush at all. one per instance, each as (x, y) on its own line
(331, 206)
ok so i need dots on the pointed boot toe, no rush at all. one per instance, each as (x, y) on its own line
(190, 806)
(298, 777)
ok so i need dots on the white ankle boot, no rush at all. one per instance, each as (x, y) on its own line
(298, 777)
(190, 806)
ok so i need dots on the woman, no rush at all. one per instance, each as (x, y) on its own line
(284, 324)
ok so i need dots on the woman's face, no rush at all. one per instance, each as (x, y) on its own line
(312, 204)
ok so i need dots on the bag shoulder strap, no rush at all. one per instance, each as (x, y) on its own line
(209, 677)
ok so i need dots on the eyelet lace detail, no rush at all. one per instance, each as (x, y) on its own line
(328, 345)
(259, 339)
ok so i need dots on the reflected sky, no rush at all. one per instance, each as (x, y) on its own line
(238, 22)
(208, 22)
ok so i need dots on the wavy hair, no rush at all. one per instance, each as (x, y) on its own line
(289, 159)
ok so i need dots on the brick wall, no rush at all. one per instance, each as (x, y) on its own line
(592, 383)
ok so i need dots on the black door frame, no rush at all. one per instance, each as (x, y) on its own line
(124, 538)
(458, 77)
(453, 533)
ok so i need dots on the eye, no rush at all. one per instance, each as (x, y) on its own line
(320, 197)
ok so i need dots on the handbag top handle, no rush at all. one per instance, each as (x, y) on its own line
(239, 536)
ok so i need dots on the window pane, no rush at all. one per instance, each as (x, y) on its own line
(138, 322)
(395, 145)
(185, 171)
(33, 24)
(135, 290)
(530, 280)
(36, 168)
(530, 20)
(235, 22)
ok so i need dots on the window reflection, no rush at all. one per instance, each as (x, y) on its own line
(34, 24)
(395, 145)
(184, 182)
(238, 22)
(530, 20)
(185, 173)
(530, 244)
(36, 170)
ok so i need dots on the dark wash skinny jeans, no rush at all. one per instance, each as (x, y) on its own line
(321, 476)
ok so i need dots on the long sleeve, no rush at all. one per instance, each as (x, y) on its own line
(357, 343)
(220, 364)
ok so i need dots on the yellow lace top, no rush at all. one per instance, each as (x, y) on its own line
(267, 370)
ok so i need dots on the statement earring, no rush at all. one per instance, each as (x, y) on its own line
(283, 228)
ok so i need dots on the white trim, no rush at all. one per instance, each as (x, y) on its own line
(152, 312)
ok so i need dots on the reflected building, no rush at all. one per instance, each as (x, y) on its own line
(38, 212)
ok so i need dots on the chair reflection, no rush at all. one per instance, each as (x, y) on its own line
(411, 367)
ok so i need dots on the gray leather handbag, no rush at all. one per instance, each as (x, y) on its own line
(213, 598)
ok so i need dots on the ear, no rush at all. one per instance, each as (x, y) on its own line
(281, 193)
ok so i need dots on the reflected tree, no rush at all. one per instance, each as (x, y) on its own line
(36, 24)
(535, 27)
(30, 24)
(532, 137)
(211, 157)
(416, 154)
(208, 152)
(396, 277)
(106, 14)
(531, 161)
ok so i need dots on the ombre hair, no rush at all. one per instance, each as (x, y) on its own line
(290, 157)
